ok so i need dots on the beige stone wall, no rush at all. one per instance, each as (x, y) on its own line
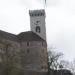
(9, 57)
(9, 50)
(31, 72)
(34, 55)
(27, 55)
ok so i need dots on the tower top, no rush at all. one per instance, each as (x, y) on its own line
(37, 22)
(37, 12)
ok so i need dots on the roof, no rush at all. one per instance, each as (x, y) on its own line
(8, 36)
(24, 36)
(29, 36)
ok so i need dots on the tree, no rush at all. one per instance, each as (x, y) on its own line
(69, 65)
(56, 63)
(53, 59)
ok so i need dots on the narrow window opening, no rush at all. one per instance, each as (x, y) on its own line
(38, 29)
(32, 15)
(42, 43)
(38, 14)
(42, 67)
(35, 14)
(27, 43)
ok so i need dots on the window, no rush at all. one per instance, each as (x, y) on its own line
(37, 21)
(38, 29)
(27, 43)
(41, 67)
(38, 14)
(35, 14)
(32, 15)
(42, 43)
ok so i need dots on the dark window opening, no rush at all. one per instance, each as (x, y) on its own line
(38, 14)
(42, 67)
(37, 21)
(35, 14)
(38, 29)
(42, 43)
(32, 14)
(27, 43)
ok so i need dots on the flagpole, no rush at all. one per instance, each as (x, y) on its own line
(45, 4)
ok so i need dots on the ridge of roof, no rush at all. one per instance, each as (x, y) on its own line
(23, 36)
(29, 36)
(7, 35)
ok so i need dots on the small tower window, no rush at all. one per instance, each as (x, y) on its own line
(41, 67)
(42, 43)
(37, 21)
(27, 43)
(32, 14)
(38, 14)
(38, 29)
(35, 14)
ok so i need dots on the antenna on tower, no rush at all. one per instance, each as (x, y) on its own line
(45, 3)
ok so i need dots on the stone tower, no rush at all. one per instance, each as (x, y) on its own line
(37, 22)
(29, 48)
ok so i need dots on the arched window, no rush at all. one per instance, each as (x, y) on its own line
(38, 29)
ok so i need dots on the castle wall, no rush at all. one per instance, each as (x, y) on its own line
(31, 72)
(27, 55)
(9, 56)
(34, 55)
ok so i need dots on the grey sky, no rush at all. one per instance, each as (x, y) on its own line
(60, 21)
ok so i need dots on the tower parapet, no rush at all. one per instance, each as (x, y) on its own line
(37, 13)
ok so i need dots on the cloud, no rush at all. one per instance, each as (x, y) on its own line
(13, 16)
(32, 4)
(53, 2)
(61, 26)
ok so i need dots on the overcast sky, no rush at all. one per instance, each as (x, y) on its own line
(60, 21)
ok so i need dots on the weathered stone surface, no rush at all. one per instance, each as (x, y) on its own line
(27, 55)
